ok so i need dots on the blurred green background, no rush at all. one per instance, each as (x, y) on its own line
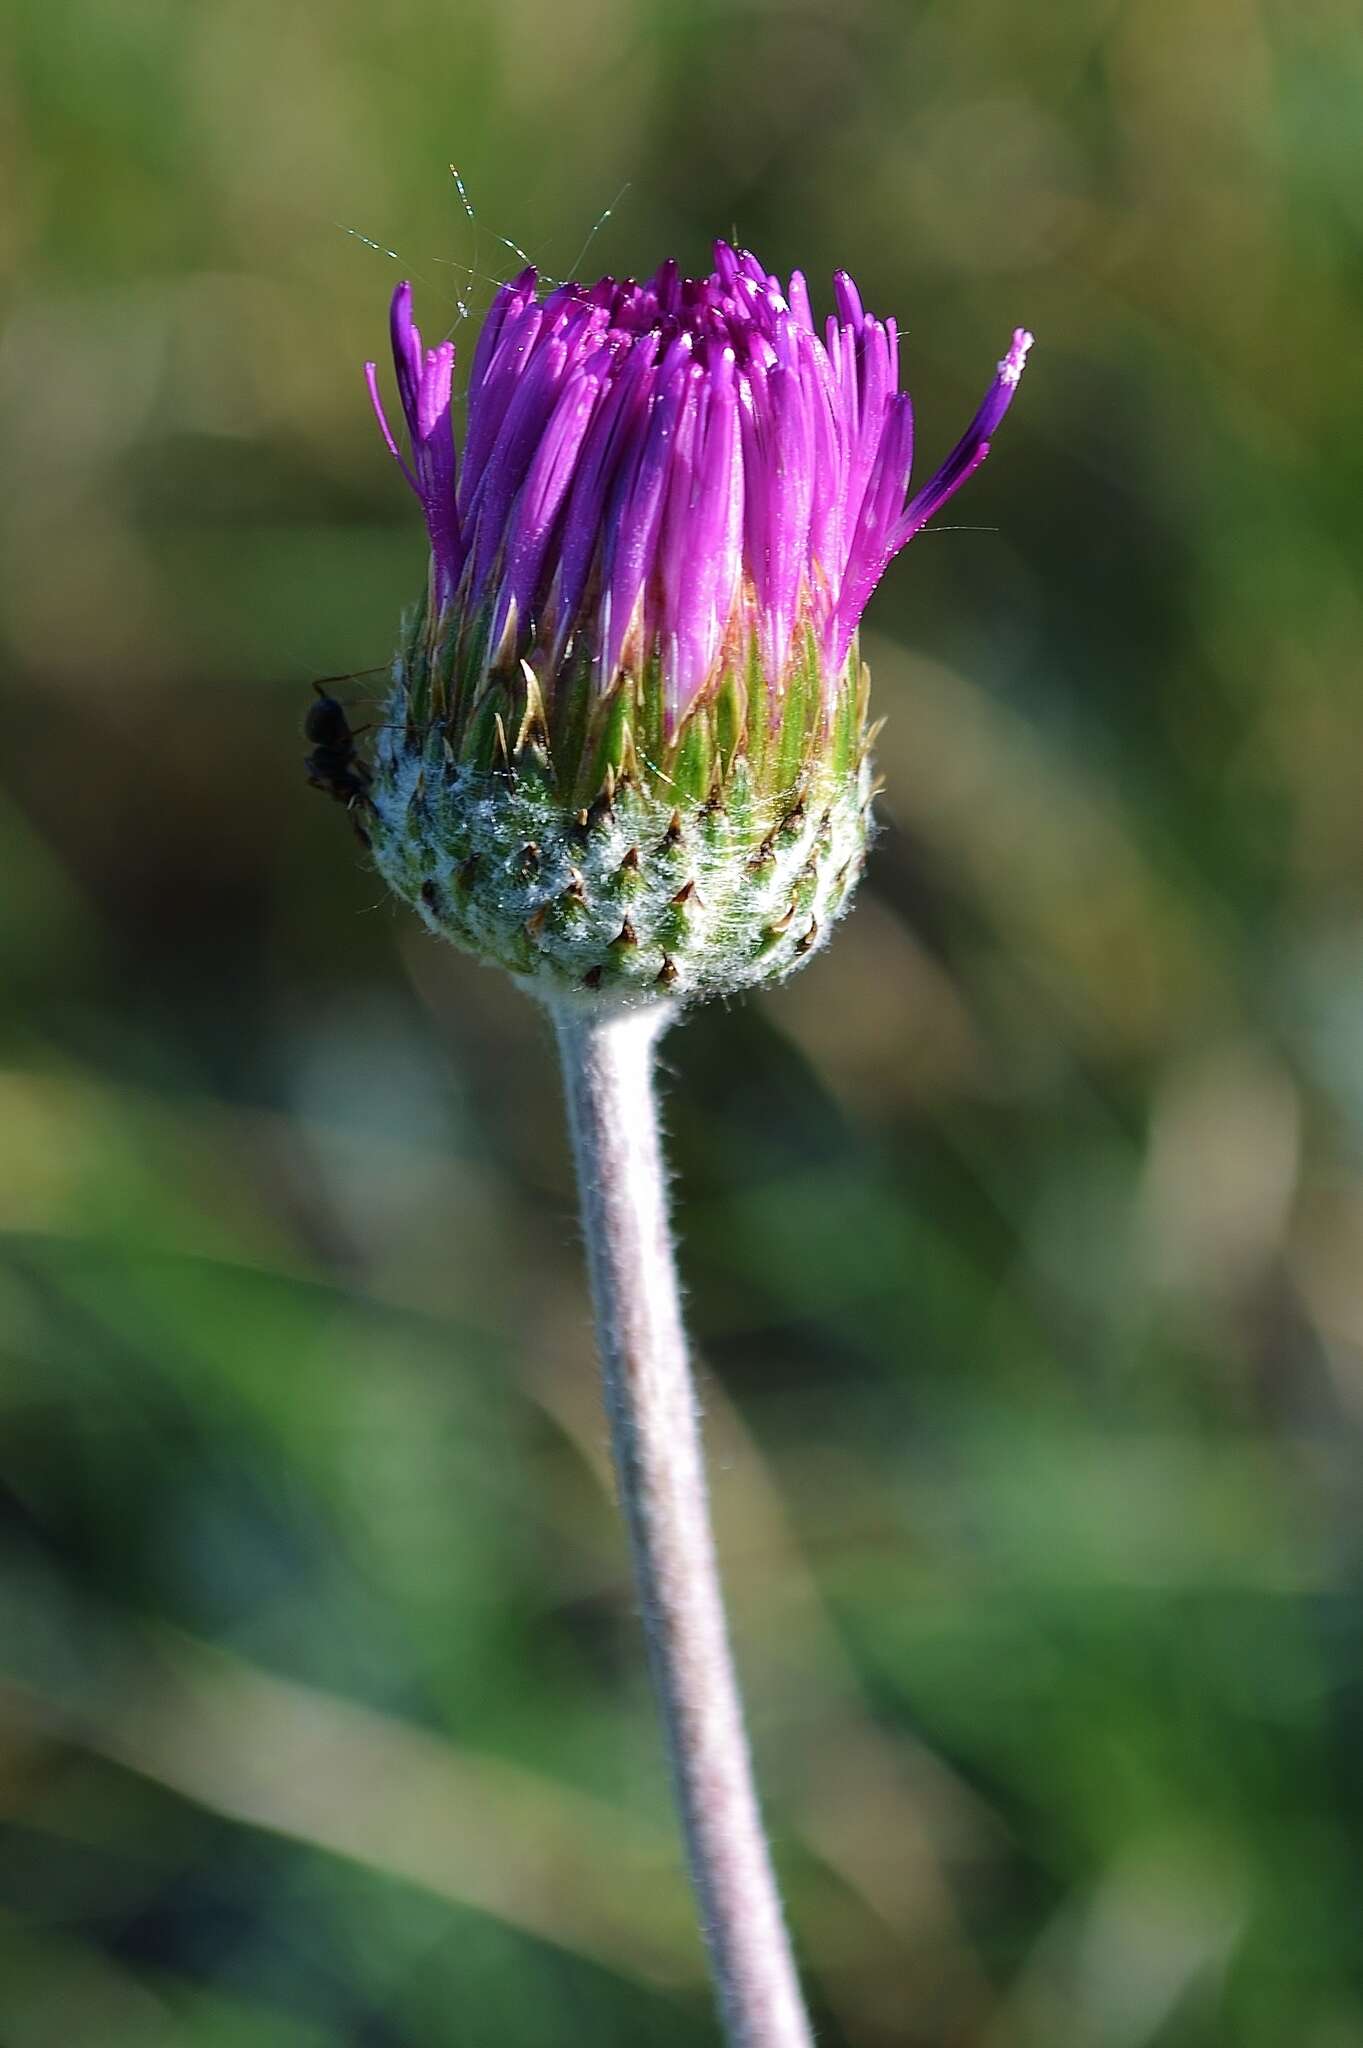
(1023, 1232)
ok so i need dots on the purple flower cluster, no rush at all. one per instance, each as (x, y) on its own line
(671, 468)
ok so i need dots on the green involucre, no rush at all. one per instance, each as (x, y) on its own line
(576, 845)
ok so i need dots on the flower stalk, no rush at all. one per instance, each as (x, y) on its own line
(607, 1062)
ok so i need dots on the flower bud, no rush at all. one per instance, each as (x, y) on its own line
(626, 752)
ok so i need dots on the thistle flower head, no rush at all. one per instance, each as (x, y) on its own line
(646, 576)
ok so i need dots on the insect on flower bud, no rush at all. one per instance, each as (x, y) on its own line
(626, 752)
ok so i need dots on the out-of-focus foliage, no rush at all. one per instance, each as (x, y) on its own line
(1024, 1231)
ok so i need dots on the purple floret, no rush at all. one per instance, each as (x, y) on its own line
(665, 470)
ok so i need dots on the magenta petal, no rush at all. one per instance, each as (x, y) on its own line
(424, 383)
(610, 446)
(671, 472)
(871, 540)
(371, 378)
(547, 484)
(970, 451)
(634, 519)
(699, 608)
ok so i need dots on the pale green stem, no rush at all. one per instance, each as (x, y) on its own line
(651, 1404)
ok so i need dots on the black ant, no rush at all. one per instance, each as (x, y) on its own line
(333, 764)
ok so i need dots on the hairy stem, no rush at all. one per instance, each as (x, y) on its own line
(651, 1404)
